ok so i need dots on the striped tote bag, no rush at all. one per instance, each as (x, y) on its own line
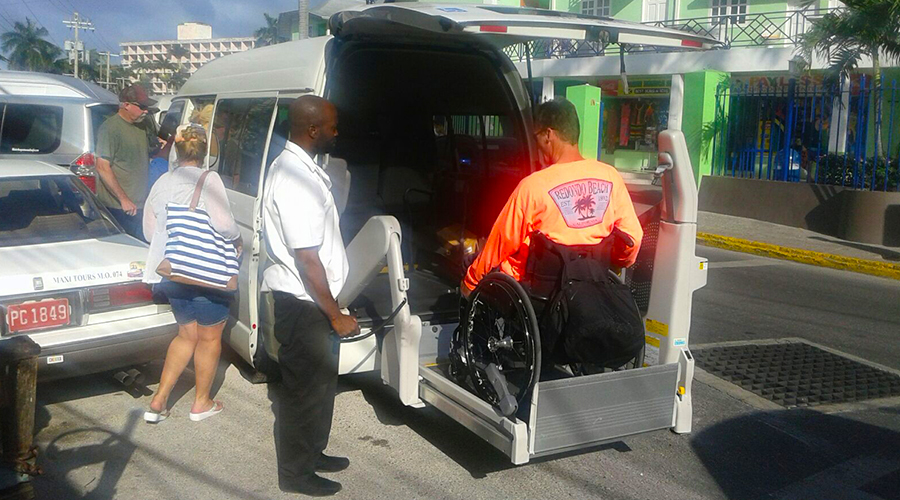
(196, 254)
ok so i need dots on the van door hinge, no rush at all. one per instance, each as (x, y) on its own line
(403, 284)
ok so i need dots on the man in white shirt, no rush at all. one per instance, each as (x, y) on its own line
(308, 270)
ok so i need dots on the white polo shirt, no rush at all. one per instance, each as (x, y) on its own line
(299, 212)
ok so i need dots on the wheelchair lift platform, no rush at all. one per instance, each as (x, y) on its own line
(564, 414)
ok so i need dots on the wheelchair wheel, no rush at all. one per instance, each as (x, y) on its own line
(500, 329)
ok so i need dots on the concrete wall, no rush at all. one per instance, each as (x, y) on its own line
(861, 216)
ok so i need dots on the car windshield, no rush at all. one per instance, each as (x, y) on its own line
(49, 209)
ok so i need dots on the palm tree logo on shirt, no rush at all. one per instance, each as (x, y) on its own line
(585, 207)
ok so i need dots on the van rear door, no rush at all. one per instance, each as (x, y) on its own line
(502, 26)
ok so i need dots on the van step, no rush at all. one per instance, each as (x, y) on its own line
(578, 412)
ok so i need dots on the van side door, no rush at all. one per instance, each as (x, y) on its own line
(240, 129)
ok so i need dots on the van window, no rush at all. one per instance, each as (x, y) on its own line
(31, 129)
(199, 110)
(171, 119)
(472, 125)
(280, 131)
(241, 127)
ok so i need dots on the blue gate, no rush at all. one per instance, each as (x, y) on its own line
(846, 134)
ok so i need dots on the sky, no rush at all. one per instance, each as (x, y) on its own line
(134, 20)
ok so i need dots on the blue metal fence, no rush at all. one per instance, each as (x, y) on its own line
(846, 134)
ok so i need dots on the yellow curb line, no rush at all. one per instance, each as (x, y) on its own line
(873, 267)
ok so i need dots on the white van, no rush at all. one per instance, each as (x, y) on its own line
(435, 131)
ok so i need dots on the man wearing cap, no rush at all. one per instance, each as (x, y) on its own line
(123, 160)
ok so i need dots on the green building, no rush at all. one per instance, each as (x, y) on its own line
(759, 37)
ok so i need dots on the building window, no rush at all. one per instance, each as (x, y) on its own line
(596, 7)
(735, 9)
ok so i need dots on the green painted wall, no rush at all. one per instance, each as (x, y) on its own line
(629, 10)
(698, 117)
(586, 99)
(511, 3)
(702, 8)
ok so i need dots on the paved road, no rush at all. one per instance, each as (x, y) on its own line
(749, 298)
(94, 444)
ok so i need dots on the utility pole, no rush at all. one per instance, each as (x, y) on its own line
(108, 55)
(303, 14)
(78, 24)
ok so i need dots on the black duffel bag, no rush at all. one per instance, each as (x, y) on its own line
(589, 316)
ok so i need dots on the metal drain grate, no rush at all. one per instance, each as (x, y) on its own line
(797, 374)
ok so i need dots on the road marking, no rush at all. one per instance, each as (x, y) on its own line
(744, 263)
(864, 266)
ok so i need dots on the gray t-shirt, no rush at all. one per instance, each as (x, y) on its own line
(126, 148)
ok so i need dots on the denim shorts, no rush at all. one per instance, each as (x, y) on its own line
(193, 303)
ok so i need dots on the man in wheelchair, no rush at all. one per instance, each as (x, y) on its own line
(555, 299)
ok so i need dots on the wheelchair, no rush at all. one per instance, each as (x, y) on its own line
(497, 350)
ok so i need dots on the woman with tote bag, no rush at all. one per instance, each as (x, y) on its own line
(195, 247)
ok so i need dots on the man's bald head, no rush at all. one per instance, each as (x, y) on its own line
(313, 124)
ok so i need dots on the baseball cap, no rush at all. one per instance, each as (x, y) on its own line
(136, 93)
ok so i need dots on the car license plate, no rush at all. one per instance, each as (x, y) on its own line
(36, 315)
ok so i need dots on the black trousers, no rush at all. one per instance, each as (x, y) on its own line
(308, 359)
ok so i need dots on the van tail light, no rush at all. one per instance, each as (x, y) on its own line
(84, 168)
(119, 296)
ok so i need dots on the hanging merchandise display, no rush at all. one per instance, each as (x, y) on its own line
(634, 116)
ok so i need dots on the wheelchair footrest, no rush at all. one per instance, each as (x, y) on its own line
(582, 411)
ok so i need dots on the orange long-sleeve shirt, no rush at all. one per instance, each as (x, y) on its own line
(577, 203)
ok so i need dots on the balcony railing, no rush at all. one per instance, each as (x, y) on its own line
(766, 29)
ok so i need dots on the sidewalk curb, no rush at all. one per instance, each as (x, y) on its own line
(864, 266)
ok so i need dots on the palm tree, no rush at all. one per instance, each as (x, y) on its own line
(585, 206)
(164, 67)
(118, 71)
(121, 73)
(176, 80)
(844, 37)
(27, 49)
(166, 70)
(90, 70)
(61, 66)
(179, 52)
(142, 67)
(142, 70)
(267, 35)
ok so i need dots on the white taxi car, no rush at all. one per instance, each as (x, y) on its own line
(70, 278)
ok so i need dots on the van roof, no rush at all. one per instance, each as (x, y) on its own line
(26, 83)
(298, 65)
(286, 66)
